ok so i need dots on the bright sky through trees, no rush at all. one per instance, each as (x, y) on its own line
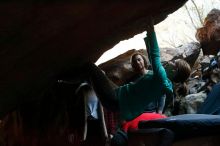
(175, 30)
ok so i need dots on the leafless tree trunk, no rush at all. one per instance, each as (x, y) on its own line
(198, 12)
(191, 19)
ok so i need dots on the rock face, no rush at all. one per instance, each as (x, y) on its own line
(209, 34)
(119, 69)
(41, 39)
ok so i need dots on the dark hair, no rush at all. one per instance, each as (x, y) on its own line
(183, 71)
(144, 58)
(181, 89)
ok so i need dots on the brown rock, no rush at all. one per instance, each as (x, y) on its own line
(41, 39)
(209, 34)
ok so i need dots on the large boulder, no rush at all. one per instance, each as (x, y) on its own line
(42, 39)
(192, 102)
(119, 69)
(209, 34)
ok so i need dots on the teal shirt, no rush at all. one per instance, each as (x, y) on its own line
(134, 98)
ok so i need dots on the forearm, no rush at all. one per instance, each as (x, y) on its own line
(169, 99)
(161, 104)
(147, 47)
(154, 51)
(150, 30)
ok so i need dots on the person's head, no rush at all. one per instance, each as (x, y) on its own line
(178, 71)
(138, 62)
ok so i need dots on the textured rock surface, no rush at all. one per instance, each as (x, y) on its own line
(209, 34)
(119, 68)
(41, 39)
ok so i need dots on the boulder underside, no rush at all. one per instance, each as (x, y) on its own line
(41, 40)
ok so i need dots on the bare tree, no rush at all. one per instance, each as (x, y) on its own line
(198, 12)
(190, 16)
(195, 13)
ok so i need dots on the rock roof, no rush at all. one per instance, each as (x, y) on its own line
(42, 39)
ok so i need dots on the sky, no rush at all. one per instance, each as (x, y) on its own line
(175, 30)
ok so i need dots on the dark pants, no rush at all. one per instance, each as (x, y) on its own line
(211, 104)
(103, 87)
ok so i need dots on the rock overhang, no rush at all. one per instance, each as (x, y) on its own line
(42, 39)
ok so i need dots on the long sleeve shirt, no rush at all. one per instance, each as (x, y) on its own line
(135, 98)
